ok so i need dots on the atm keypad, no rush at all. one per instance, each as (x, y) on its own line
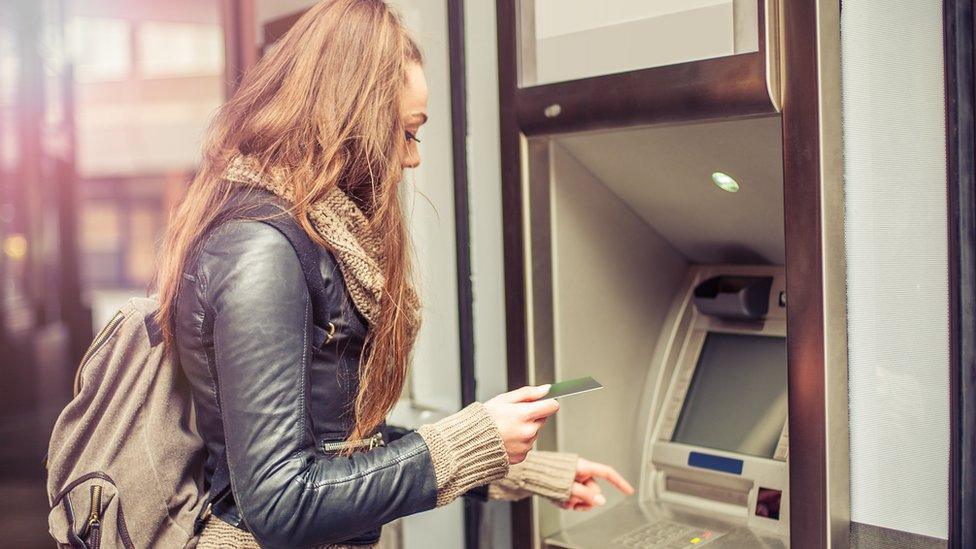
(666, 535)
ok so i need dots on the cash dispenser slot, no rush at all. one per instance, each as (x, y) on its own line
(734, 297)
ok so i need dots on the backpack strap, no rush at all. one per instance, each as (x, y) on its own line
(309, 256)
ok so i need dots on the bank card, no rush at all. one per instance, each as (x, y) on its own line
(573, 387)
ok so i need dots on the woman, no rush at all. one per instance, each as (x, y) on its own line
(293, 373)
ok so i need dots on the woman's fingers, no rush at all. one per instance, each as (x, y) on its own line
(613, 477)
(540, 409)
(587, 495)
(590, 469)
(526, 394)
(570, 504)
(576, 504)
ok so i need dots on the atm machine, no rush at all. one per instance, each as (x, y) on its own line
(714, 468)
(666, 282)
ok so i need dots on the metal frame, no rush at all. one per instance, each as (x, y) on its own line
(473, 508)
(681, 92)
(815, 274)
(696, 91)
(961, 186)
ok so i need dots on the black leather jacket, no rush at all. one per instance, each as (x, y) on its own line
(269, 399)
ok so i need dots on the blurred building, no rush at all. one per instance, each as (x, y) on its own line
(103, 106)
(147, 78)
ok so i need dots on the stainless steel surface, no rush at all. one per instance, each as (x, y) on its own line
(538, 184)
(541, 362)
(601, 532)
(837, 460)
(664, 174)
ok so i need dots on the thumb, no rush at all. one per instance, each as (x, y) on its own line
(527, 393)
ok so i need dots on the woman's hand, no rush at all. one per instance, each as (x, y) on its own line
(519, 415)
(586, 492)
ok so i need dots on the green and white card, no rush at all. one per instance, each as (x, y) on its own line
(573, 387)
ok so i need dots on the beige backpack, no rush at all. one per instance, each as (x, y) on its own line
(125, 463)
(124, 459)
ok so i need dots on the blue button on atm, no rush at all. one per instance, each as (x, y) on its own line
(715, 463)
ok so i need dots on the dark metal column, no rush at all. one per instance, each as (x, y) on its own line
(958, 28)
(459, 132)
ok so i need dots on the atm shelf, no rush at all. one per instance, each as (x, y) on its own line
(632, 525)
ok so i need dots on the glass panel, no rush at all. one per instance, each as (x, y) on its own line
(571, 39)
(897, 259)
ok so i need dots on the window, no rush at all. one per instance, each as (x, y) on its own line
(101, 48)
(173, 50)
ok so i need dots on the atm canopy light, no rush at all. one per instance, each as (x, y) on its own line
(725, 182)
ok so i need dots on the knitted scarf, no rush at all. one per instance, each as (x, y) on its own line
(356, 246)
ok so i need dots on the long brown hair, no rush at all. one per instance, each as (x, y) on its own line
(322, 107)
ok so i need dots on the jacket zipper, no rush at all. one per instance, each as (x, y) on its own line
(99, 340)
(369, 443)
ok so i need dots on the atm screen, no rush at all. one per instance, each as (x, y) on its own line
(737, 398)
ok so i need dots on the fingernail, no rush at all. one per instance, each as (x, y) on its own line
(545, 387)
(600, 500)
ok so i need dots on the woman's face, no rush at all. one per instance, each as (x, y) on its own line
(413, 112)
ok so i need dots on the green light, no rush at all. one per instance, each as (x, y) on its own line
(725, 182)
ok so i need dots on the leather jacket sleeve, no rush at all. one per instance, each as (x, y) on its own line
(290, 495)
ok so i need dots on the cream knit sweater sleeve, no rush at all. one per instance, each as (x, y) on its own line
(467, 451)
(546, 474)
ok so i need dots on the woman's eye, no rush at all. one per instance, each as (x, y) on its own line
(412, 136)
